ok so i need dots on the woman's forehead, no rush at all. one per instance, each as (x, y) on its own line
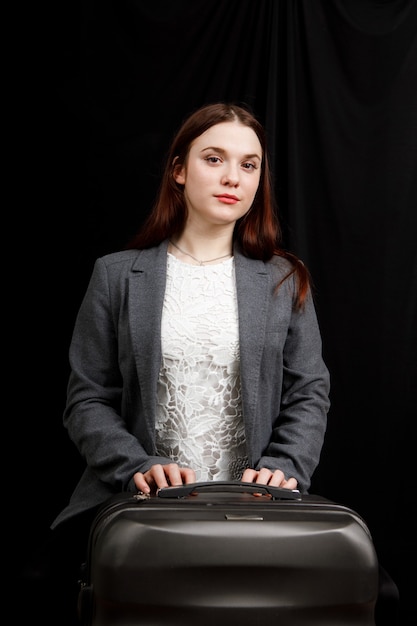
(229, 136)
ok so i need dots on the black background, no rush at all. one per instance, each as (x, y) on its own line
(105, 86)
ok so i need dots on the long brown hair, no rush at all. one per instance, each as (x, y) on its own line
(258, 233)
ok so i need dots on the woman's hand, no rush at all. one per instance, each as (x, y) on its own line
(265, 476)
(160, 476)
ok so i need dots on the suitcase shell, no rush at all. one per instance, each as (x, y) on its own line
(228, 553)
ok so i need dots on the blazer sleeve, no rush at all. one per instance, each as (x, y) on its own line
(300, 423)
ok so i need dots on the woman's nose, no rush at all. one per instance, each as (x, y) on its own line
(231, 177)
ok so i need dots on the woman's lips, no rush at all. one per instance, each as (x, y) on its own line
(227, 199)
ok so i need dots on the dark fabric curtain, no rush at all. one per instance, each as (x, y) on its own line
(335, 83)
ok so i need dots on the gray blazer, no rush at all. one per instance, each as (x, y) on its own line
(115, 355)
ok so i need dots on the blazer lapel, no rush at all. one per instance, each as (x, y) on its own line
(146, 297)
(253, 286)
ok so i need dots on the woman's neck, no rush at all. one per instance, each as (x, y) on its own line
(201, 251)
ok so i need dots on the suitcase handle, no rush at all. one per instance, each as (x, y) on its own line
(180, 491)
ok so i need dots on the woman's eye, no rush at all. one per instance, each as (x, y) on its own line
(213, 159)
(249, 166)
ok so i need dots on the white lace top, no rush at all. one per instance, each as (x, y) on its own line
(199, 421)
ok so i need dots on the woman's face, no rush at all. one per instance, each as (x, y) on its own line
(221, 174)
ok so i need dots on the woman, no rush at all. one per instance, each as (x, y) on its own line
(199, 343)
(196, 353)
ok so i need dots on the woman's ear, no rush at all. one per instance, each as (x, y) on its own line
(178, 175)
(178, 172)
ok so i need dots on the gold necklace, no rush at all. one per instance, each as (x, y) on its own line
(198, 260)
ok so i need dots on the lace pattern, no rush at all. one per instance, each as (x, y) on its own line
(199, 422)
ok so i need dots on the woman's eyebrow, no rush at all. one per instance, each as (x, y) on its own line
(223, 151)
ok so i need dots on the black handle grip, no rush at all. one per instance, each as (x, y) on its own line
(180, 491)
